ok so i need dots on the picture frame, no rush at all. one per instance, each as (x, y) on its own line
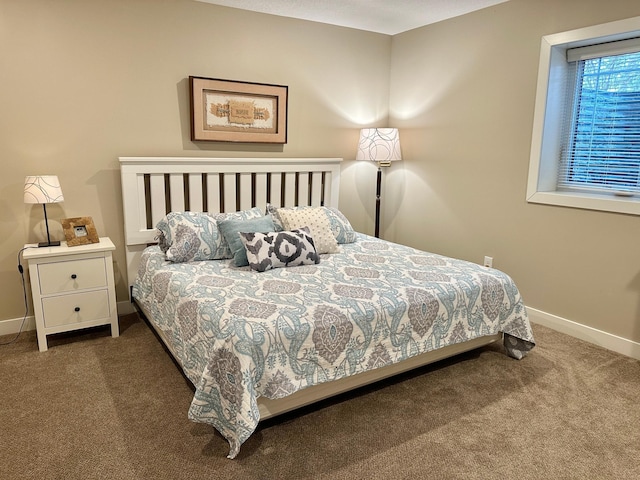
(233, 111)
(79, 231)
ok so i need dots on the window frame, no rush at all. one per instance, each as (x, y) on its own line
(549, 109)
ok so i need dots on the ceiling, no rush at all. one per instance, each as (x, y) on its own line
(382, 16)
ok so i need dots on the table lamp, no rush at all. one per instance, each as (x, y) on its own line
(43, 189)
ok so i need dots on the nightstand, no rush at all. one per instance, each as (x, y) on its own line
(72, 288)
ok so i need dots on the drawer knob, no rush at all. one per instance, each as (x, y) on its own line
(77, 309)
(74, 276)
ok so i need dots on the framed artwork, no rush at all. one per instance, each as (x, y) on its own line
(79, 231)
(231, 111)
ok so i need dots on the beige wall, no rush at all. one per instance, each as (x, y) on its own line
(462, 93)
(86, 81)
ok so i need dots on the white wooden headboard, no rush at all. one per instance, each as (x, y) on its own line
(154, 186)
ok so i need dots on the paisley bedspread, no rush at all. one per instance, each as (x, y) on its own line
(240, 334)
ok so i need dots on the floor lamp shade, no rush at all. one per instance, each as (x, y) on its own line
(43, 189)
(381, 145)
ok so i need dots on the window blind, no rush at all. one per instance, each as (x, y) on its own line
(601, 140)
(629, 45)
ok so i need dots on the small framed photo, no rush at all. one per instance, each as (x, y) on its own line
(231, 111)
(79, 231)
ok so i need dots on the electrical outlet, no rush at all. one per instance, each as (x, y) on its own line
(488, 262)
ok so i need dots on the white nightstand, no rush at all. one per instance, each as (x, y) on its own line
(72, 288)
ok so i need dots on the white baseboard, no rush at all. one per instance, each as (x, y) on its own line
(583, 332)
(12, 325)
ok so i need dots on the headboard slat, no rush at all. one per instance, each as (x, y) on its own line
(276, 189)
(195, 193)
(229, 186)
(303, 189)
(213, 192)
(158, 198)
(316, 188)
(289, 189)
(260, 190)
(245, 194)
(176, 188)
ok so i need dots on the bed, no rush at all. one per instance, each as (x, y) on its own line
(260, 339)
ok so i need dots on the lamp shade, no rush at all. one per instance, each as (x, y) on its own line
(379, 145)
(42, 189)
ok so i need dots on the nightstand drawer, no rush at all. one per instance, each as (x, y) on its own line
(72, 275)
(76, 308)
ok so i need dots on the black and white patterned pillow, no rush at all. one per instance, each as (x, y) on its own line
(279, 249)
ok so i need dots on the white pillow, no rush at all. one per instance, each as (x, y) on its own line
(318, 224)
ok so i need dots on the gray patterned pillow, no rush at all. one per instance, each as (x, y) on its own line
(339, 224)
(279, 249)
(194, 236)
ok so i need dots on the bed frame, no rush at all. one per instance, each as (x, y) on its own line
(154, 186)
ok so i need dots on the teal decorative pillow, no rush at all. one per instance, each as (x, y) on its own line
(231, 230)
(279, 249)
(194, 236)
(339, 224)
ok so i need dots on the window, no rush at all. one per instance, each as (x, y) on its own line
(601, 147)
(586, 140)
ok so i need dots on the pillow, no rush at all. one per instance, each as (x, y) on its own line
(279, 249)
(254, 212)
(339, 224)
(194, 236)
(316, 219)
(231, 228)
(273, 211)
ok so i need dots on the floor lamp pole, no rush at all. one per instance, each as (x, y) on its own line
(378, 188)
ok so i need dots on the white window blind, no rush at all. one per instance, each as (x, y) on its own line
(601, 138)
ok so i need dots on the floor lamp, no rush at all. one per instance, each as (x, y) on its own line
(43, 189)
(381, 145)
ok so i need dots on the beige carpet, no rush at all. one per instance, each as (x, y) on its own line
(94, 407)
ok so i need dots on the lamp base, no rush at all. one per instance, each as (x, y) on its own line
(49, 244)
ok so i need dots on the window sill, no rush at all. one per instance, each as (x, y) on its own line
(588, 201)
